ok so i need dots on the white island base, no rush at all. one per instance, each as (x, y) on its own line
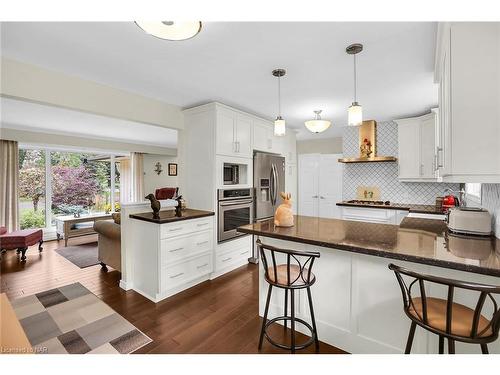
(358, 303)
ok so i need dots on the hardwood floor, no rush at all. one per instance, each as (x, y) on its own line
(217, 316)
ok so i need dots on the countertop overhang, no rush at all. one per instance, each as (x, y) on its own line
(423, 241)
(168, 216)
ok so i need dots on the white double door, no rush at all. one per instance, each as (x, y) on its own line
(320, 185)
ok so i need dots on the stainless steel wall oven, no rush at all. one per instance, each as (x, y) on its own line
(235, 208)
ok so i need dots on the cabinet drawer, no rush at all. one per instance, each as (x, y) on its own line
(234, 256)
(374, 215)
(178, 248)
(186, 226)
(186, 271)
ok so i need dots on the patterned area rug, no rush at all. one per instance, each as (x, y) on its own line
(71, 319)
(83, 256)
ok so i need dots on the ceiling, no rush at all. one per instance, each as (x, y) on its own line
(21, 115)
(232, 63)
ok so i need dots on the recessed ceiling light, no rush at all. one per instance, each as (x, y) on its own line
(170, 30)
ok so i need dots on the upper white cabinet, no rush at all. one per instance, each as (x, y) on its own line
(417, 148)
(262, 136)
(467, 69)
(290, 148)
(233, 133)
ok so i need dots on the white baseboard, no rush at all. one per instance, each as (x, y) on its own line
(125, 286)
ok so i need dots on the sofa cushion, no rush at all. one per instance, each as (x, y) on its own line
(3, 230)
(117, 218)
(166, 193)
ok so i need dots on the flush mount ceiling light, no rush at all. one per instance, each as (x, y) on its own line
(170, 30)
(279, 123)
(355, 111)
(317, 125)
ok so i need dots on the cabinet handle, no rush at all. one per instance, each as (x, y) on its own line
(174, 250)
(322, 197)
(203, 265)
(234, 146)
(225, 260)
(421, 169)
(438, 150)
(201, 224)
(243, 253)
(202, 243)
(179, 274)
(315, 196)
(175, 229)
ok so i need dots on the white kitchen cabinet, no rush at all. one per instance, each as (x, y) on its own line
(265, 140)
(467, 69)
(417, 148)
(233, 133)
(291, 184)
(320, 185)
(171, 257)
(373, 215)
(290, 147)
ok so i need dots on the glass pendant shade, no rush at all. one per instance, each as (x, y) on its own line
(355, 115)
(170, 30)
(317, 125)
(279, 127)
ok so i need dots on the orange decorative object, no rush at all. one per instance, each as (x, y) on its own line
(283, 216)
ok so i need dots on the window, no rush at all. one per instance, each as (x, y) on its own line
(58, 183)
(32, 189)
(473, 193)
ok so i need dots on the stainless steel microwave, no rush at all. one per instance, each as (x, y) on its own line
(231, 174)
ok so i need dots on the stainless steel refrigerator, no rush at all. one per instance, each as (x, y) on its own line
(268, 182)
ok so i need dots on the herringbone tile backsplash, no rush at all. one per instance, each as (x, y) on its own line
(385, 175)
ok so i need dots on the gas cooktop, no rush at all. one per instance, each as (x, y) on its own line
(370, 203)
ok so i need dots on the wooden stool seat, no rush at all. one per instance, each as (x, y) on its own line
(291, 276)
(461, 321)
(297, 277)
(444, 317)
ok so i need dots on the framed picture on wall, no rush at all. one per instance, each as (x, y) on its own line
(172, 169)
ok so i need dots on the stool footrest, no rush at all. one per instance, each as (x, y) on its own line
(289, 347)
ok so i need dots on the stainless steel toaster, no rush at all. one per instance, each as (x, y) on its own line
(469, 220)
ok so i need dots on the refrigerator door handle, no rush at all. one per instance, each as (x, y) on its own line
(276, 184)
(271, 185)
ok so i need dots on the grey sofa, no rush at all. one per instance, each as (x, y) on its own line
(109, 244)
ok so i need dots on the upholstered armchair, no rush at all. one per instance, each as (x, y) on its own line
(109, 244)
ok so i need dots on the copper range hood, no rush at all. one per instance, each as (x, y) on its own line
(368, 146)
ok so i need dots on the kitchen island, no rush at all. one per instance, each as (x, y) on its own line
(169, 253)
(357, 300)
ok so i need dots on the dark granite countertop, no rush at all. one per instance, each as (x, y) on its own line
(168, 216)
(415, 240)
(417, 208)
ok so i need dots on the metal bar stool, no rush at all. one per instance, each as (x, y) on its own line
(293, 275)
(446, 318)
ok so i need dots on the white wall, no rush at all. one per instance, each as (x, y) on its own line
(153, 181)
(33, 83)
(320, 146)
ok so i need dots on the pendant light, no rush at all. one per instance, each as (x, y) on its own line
(317, 125)
(170, 30)
(355, 111)
(279, 123)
